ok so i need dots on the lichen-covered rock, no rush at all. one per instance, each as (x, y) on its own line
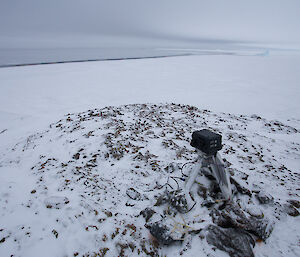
(235, 242)
(232, 216)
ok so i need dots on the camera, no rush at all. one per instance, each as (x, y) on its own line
(206, 141)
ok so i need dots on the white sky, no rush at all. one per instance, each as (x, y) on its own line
(242, 20)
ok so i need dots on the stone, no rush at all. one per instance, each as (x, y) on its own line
(240, 188)
(56, 202)
(208, 203)
(147, 213)
(264, 198)
(290, 210)
(161, 233)
(295, 203)
(76, 156)
(175, 198)
(178, 201)
(133, 194)
(162, 199)
(235, 242)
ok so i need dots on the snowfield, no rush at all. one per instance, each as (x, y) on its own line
(92, 154)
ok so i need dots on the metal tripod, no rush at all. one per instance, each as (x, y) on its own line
(209, 164)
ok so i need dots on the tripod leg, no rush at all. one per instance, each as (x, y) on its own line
(190, 181)
(221, 176)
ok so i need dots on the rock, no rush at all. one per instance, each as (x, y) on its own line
(254, 211)
(240, 188)
(172, 167)
(178, 201)
(175, 198)
(232, 216)
(76, 156)
(233, 241)
(55, 233)
(161, 233)
(260, 228)
(295, 203)
(264, 198)
(56, 202)
(208, 203)
(290, 210)
(108, 214)
(162, 199)
(147, 213)
(133, 194)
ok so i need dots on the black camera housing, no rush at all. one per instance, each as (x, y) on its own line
(206, 141)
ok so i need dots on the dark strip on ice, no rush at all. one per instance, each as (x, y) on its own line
(92, 60)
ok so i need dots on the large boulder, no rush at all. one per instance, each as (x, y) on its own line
(232, 216)
(235, 242)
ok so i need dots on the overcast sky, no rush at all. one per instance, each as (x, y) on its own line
(55, 20)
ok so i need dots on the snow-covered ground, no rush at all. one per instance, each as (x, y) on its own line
(64, 187)
(34, 96)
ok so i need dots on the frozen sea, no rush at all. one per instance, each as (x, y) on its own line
(18, 56)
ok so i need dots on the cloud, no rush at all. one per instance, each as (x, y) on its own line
(256, 20)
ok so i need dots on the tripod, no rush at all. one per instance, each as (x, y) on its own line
(213, 165)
